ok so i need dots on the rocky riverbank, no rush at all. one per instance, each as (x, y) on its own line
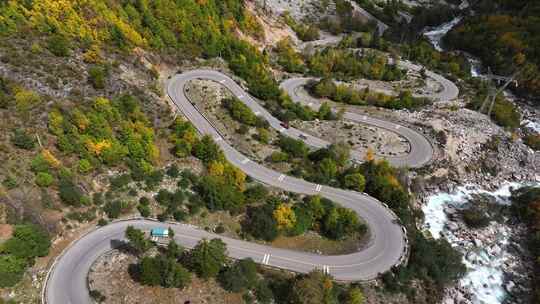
(497, 261)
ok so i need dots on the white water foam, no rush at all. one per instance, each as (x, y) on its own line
(484, 278)
(532, 125)
(437, 33)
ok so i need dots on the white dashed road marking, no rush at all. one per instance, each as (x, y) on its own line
(266, 259)
(326, 269)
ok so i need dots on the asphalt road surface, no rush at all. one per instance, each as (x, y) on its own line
(67, 280)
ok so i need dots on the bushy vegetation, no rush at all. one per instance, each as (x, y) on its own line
(315, 213)
(305, 32)
(386, 11)
(434, 262)
(347, 21)
(243, 114)
(107, 132)
(163, 270)
(288, 58)
(504, 112)
(351, 64)
(526, 206)
(21, 139)
(533, 141)
(324, 166)
(505, 35)
(241, 275)
(19, 252)
(327, 88)
(452, 63)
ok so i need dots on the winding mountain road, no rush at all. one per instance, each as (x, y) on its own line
(67, 281)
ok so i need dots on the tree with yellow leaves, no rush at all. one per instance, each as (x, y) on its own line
(216, 169)
(235, 177)
(25, 100)
(284, 216)
(97, 147)
(50, 158)
(370, 155)
(81, 121)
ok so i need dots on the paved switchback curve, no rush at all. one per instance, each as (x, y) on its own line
(67, 280)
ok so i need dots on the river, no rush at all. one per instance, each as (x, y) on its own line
(485, 258)
(485, 277)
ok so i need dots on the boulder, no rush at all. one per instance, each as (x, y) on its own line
(509, 286)
(452, 226)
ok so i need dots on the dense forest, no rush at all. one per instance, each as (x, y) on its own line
(506, 35)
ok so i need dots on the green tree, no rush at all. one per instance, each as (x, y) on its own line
(314, 288)
(208, 257)
(84, 166)
(25, 100)
(325, 88)
(150, 271)
(28, 241)
(328, 169)
(219, 195)
(304, 219)
(173, 274)
(241, 275)
(263, 135)
(240, 112)
(137, 240)
(263, 292)
(296, 148)
(354, 296)
(21, 139)
(70, 193)
(97, 76)
(207, 150)
(144, 210)
(260, 222)
(325, 112)
(355, 181)
(59, 45)
(44, 179)
(174, 251)
(115, 208)
(11, 270)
